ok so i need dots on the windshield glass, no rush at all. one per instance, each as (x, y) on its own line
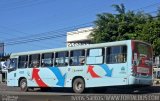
(144, 50)
(143, 54)
(12, 63)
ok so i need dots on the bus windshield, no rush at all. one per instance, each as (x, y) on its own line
(12, 64)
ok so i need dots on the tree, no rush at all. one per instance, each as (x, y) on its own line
(151, 34)
(120, 8)
(127, 25)
(106, 23)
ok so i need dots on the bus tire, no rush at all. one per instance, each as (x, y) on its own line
(78, 85)
(23, 85)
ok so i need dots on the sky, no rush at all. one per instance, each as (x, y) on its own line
(22, 21)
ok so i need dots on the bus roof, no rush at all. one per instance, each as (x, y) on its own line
(115, 43)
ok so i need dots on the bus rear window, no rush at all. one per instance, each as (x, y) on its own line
(144, 49)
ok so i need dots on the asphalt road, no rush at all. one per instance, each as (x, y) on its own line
(59, 94)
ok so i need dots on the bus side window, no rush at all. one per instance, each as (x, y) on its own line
(116, 54)
(95, 56)
(47, 60)
(34, 61)
(23, 61)
(77, 57)
(61, 59)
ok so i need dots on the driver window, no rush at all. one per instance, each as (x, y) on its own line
(13, 64)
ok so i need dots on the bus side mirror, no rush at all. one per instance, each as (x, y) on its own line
(10, 69)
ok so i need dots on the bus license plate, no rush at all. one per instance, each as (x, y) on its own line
(142, 70)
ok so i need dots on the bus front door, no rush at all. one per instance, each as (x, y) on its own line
(11, 75)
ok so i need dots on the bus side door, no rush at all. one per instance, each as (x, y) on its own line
(11, 75)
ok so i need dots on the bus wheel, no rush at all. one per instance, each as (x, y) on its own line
(78, 85)
(23, 85)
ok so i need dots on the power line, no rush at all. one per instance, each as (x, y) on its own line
(33, 40)
(49, 33)
(29, 4)
(18, 32)
(152, 5)
(42, 36)
(11, 2)
(42, 33)
(36, 39)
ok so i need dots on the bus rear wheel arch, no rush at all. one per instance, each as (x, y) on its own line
(23, 85)
(78, 85)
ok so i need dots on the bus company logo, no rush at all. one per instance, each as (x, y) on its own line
(122, 70)
(104, 67)
(77, 70)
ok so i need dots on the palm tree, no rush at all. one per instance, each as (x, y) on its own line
(120, 8)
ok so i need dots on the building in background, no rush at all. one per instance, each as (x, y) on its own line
(79, 37)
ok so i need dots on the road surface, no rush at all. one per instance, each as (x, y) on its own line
(57, 94)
